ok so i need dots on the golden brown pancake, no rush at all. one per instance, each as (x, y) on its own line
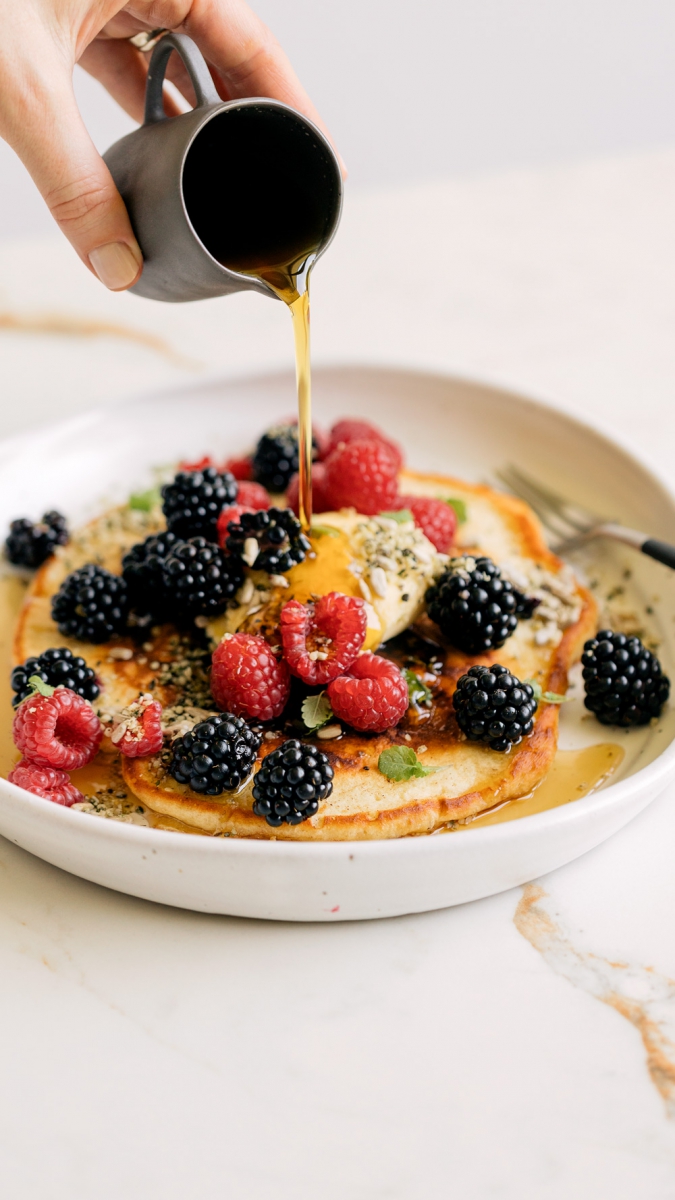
(364, 803)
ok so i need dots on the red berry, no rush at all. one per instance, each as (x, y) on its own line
(353, 430)
(239, 467)
(234, 513)
(139, 732)
(362, 475)
(252, 496)
(247, 679)
(200, 465)
(60, 731)
(319, 498)
(46, 782)
(373, 697)
(334, 626)
(435, 518)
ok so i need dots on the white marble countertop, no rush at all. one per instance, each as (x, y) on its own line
(520, 1046)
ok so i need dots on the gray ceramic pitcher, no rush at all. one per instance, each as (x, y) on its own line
(192, 183)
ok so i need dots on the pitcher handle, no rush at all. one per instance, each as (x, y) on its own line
(197, 69)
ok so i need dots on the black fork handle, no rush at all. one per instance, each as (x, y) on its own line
(661, 551)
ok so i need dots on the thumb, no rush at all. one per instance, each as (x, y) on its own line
(44, 126)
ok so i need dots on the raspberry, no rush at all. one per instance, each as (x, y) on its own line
(246, 678)
(353, 430)
(241, 468)
(373, 697)
(319, 499)
(252, 495)
(139, 732)
(200, 465)
(45, 782)
(59, 730)
(361, 475)
(322, 640)
(234, 513)
(436, 519)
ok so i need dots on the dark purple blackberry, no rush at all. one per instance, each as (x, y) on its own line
(275, 459)
(216, 756)
(623, 680)
(492, 706)
(281, 542)
(143, 569)
(199, 578)
(290, 783)
(59, 668)
(474, 607)
(91, 605)
(30, 545)
(194, 500)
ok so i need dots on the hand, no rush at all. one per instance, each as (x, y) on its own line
(41, 42)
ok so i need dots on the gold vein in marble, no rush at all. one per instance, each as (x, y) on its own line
(67, 326)
(640, 994)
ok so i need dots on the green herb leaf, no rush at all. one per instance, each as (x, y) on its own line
(459, 507)
(418, 691)
(145, 501)
(39, 685)
(546, 697)
(401, 516)
(316, 711)
(400, 763)
(324, 531)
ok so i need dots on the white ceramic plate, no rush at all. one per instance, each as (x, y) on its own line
(446, 425)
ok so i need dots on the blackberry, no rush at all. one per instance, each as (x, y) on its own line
(623, 680)
(59, 668)
(492, 706)
(199, 578)
(474, 607)
(143, 568)
(277, 531)
(290, 783)
(29, 545)
(216, 756)
(91, 605)
(194, 500)
(275, 459)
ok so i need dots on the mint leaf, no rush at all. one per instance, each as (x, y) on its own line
(316, 711)
(547, 697)
(39, 685)
(459, 507)
(145, 501)
(324, 531)
(400, 516)
(400, 763)
(418, 692)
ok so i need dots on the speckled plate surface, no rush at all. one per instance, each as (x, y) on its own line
(447, 425)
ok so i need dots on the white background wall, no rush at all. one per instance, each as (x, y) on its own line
(419, 90)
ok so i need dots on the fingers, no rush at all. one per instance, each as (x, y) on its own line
(245, 53)
(40, 119)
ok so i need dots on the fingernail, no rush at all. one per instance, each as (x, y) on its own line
(116, 264)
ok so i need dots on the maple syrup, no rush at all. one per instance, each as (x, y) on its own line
(271, 225)
(574, 773)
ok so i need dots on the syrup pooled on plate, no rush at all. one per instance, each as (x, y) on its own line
(271, 225)
(574, 773)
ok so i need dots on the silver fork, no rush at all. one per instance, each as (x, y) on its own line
(572, 525)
